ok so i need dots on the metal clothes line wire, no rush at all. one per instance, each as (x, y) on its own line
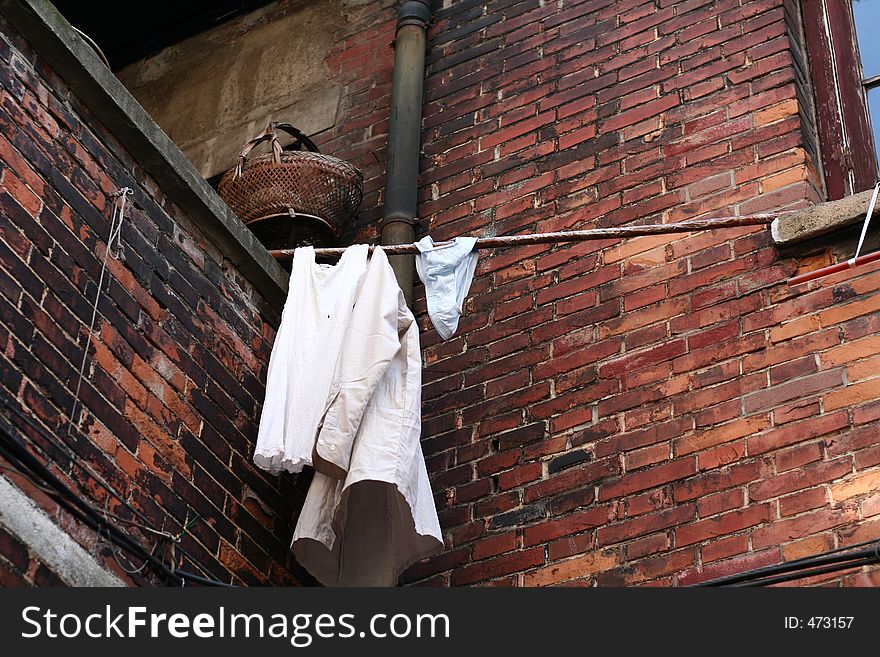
(111, 248)
(508, 241)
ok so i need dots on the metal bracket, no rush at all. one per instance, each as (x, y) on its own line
(410, 221)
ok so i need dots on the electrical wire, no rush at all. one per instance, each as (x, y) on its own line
(26, 464)
(13, 450)
(830, 561)
(78, 462)
(118, 217)
(119, 538)
(822, 570)
(27, 468)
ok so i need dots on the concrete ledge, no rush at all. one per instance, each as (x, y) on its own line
(48, 541)
(821, 219)
(52, 37)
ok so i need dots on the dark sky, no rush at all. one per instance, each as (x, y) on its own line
(129, 31)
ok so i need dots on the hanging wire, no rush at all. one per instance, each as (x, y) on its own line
(113, 249)
(865, 225)
(116, 220)
(52, 440)
(117, 557)
(94, 46)
(20, 459)
(856, 261)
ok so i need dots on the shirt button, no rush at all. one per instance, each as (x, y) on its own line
(320, 441)
(332, 448)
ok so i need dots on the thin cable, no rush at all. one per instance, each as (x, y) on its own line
(130, 570)
(856, 261)
(121, 539)
(76, 462)
(117, 217)
(28, 465)
(839, 559)
(93, 45)
(848, 548)
(865, 225)
(821, 570)
(28, 469)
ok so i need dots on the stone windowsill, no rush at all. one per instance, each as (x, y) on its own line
(821, 219)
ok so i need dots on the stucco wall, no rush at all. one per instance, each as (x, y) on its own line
(214, 91)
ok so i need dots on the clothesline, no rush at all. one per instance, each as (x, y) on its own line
(569, 235)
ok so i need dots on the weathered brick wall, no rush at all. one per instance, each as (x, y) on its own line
(657, 411)
(362, 64)
(175, 380)
(18, 567)
(660, 410)
(175, 376)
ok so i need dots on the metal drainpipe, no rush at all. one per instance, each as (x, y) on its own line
(404, 137)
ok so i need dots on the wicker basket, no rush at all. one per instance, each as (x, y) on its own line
(310, 190)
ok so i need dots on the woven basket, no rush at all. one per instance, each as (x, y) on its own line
(303, 185)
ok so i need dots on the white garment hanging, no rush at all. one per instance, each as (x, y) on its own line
(313, 324)
(447, 271)
(370, 512)
(343, 393)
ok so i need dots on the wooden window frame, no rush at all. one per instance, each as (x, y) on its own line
(846, 139)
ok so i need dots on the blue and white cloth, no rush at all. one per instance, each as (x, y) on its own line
(447, 270)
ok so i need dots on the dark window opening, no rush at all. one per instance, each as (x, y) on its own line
(138, 30)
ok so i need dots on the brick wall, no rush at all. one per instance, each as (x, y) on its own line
(652, 411)
(18, 567)
(660, 410)
(362, 64)
(175, 376)
(175, 380)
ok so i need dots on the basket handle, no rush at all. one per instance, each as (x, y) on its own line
(270, 134)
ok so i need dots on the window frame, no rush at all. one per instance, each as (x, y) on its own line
(846, 138)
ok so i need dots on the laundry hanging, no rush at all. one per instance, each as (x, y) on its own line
(317, 312)
(344, 395)
(332, 401)
(447, 270)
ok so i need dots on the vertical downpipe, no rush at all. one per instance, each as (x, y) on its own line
(404, 137)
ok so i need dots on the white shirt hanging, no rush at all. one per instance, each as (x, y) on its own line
(313, 323)
(370, 512)
(344, 394)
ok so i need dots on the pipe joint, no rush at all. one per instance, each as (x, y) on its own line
(413, 12)
(400, 219)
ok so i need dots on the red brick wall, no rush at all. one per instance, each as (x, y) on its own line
(653, 411)
(660, 410)
(18, 567)
(175, 380)
(362, 64)
(175, 375)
